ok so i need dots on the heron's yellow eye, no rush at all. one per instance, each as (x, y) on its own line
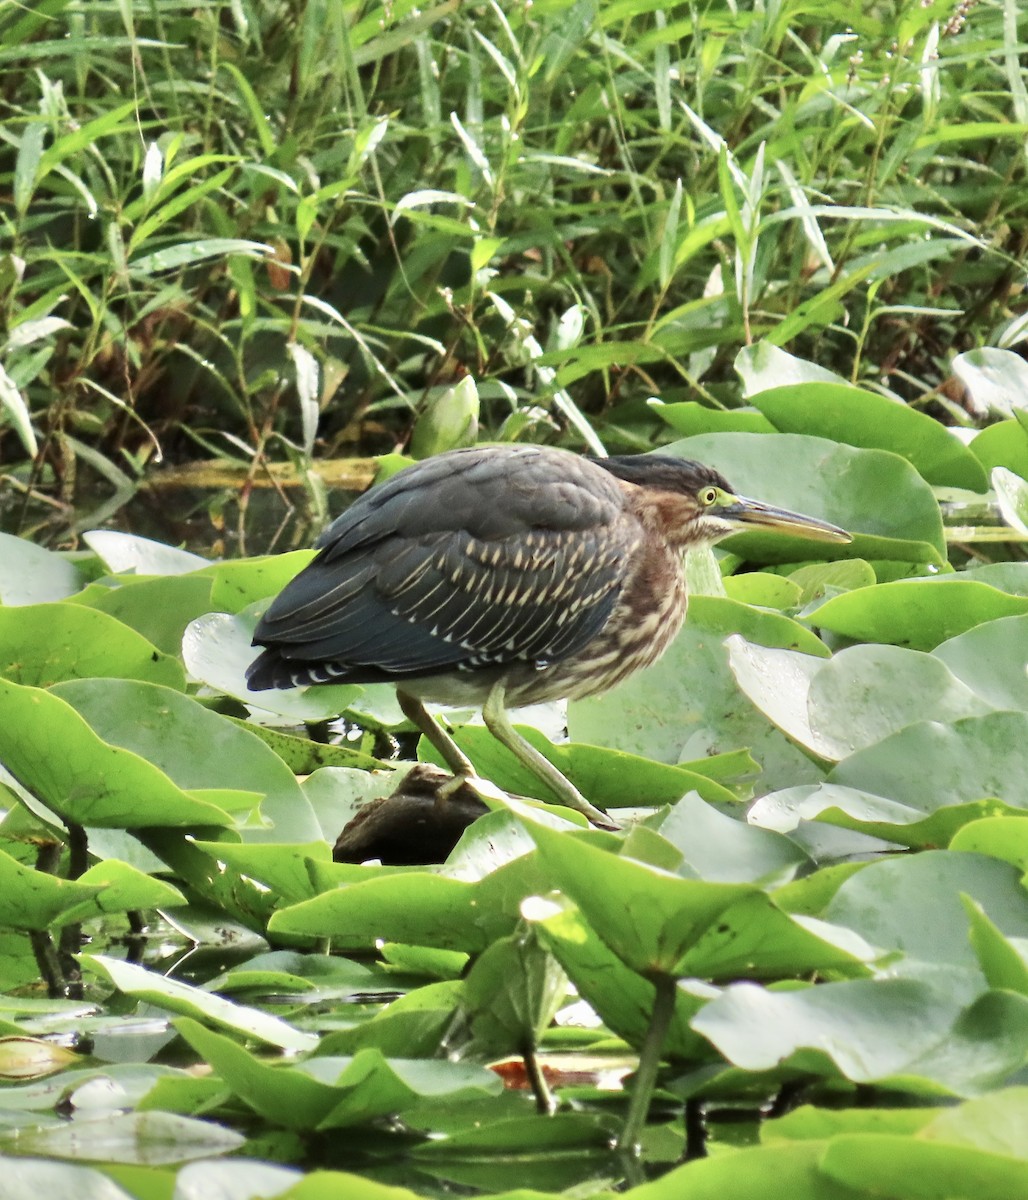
(709, 496)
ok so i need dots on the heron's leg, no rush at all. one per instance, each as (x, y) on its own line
(494, 713)
(418, 715)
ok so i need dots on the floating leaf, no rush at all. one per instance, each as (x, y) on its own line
(621, 996)
(996, 380)
(89, 781)
(686, 705)
(331, 1093)
(159, 609)
(151, 1139)
(658, 922)
(33, 575)
(919, 613)
(126, 552)
(607, 777)
(901, 1034)
(417, 907)
(971, 759)
(913, 904)
(764, 366)
(217, 649)
(178, 997)
(858, 417)
(43, 643)
(196, 748)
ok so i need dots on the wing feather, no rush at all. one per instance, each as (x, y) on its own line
(487, 556)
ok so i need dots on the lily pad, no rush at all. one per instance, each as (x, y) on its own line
(127, 552)
(43, 643)
(991, 659)
(913, 904)
(178, 997)
(417, 907)
(331, 1093)
(620, 995)
(686, 705)
(900, 1034)
(159, 609)
(919, 613)
(89, 781)
(970, 759)
(31, 574)
(659, 923)
(217, 649)
(859, 417)
(196, 748)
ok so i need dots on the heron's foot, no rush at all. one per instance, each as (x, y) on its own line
(498, 723)
(485, 789)
(573, 798)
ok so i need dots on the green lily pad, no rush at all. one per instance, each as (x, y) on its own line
(509, 997)
(43, 643)
(719, 614)
(1003, 960)
(919, 613)
(414, 1026)
(996, 380)
(237, 585)
(686, 705)
(970, 759)
(764, 589)
(216, 649)
(991, 659)
(177, 997)
(922, 1168)
(31, 899)
(124, 889)
(89, 781)
(689, 418)
(282, 868)
(31, 574)
(900, 1034)
(1002, 837)
(196, 748)
(875, 816)
(127, 552)
(859, 417)
(994, 1122)
(621, 997)
(417, 907)
(159, 609)
(607, 777)
(659, 923)
(763, 366)
(1004, 444)
(818, 580)
(864, 694)
(726, 850)
(331, 1093)
(913, 904)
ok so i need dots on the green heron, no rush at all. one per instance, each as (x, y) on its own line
(500, 576)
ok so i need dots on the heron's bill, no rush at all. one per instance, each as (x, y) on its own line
(751, 513)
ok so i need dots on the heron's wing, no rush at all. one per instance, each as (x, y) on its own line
(495, 560)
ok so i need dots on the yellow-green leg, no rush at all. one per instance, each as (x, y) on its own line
(494, 713)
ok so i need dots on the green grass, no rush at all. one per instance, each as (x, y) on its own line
(283, 229)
